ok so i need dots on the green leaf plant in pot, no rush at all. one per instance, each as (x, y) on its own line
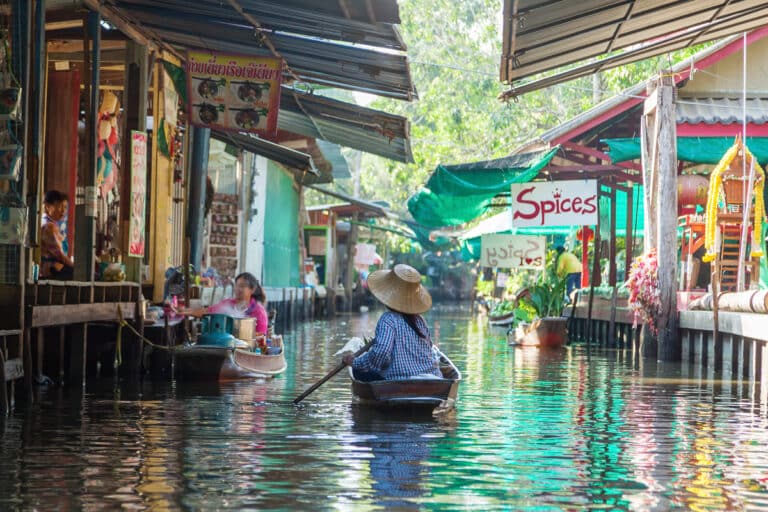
(547, 295)
(546, 298)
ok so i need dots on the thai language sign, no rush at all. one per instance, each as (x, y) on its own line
(513, 251)
(136, 232)
(554, 203)
(233, 92)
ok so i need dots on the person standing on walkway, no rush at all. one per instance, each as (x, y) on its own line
(568, 266)
(55, 263)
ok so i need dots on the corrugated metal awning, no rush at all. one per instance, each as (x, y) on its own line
(374, 208)
(346, 124)
(721, 110)
(605, 114)
(542, 35)
(325, 20)
(332, 153)
(318, 44)
(280, 154)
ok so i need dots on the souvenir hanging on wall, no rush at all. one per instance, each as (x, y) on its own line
(106, 176)
(13, 221)
(11, 151)
(10, 89)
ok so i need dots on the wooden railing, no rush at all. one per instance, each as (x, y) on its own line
(51, 303)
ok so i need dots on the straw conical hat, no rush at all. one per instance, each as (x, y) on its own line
(400, 289)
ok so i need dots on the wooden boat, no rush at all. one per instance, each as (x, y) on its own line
(226, 350)
(437, 394)
(212, 362)
(502, 320)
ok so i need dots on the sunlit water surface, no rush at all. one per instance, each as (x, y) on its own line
(569, 430)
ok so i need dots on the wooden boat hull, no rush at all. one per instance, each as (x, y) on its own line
(416, 393)
(501, 320)
(220, 363)
(550, 332)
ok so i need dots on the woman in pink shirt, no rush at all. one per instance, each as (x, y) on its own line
(248, 301)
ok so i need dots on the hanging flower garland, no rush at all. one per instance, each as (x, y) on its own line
(715, 186)
(644, 293)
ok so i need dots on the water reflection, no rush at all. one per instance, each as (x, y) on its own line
(570, 429)
(398, 446)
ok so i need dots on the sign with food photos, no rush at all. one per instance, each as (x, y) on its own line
(233, 92)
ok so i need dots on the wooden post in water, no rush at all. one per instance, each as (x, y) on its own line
(349, 276)
(594, 280)
(660, 179)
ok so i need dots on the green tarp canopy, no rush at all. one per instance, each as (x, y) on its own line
(455, 194)
(502, 224)
(701, 150)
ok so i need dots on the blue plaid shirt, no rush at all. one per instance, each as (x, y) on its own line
(398, 352)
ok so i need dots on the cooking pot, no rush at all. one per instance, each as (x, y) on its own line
(244, 329)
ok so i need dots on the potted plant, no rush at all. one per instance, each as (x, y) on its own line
(546, 299)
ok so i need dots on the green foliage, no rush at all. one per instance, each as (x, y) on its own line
(485, 287)
(518, 279)
(547, 295)
(503, 308)
(525, 312)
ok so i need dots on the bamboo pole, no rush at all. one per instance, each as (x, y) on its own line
(745, 223)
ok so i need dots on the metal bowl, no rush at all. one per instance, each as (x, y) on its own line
(244, 328)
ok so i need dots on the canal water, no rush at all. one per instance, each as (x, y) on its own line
(575, 429)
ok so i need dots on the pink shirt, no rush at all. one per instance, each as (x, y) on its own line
(255, 310)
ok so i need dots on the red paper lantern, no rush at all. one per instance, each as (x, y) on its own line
(588, 230)
(692, 190)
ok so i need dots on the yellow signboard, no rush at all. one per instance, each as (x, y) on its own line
(233, 92)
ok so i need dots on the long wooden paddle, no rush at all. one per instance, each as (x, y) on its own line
(333, 372)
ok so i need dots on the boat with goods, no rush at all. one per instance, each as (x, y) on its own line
(227, 349)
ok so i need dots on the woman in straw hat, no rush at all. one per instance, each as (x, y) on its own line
(402, 346)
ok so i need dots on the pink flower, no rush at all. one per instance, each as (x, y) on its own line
(644, 294)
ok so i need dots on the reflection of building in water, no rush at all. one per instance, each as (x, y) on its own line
(641, 451)
(712, 469)
(160, 464)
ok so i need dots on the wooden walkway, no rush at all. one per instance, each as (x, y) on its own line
(740, 352)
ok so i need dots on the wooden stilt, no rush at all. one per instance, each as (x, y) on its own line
(40, 351)
(62, 340)
(4, 407)
(27, 347)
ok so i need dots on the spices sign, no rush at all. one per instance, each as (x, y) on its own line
(136, 232)
(513, 251)
(233, 92)
(554, 203)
